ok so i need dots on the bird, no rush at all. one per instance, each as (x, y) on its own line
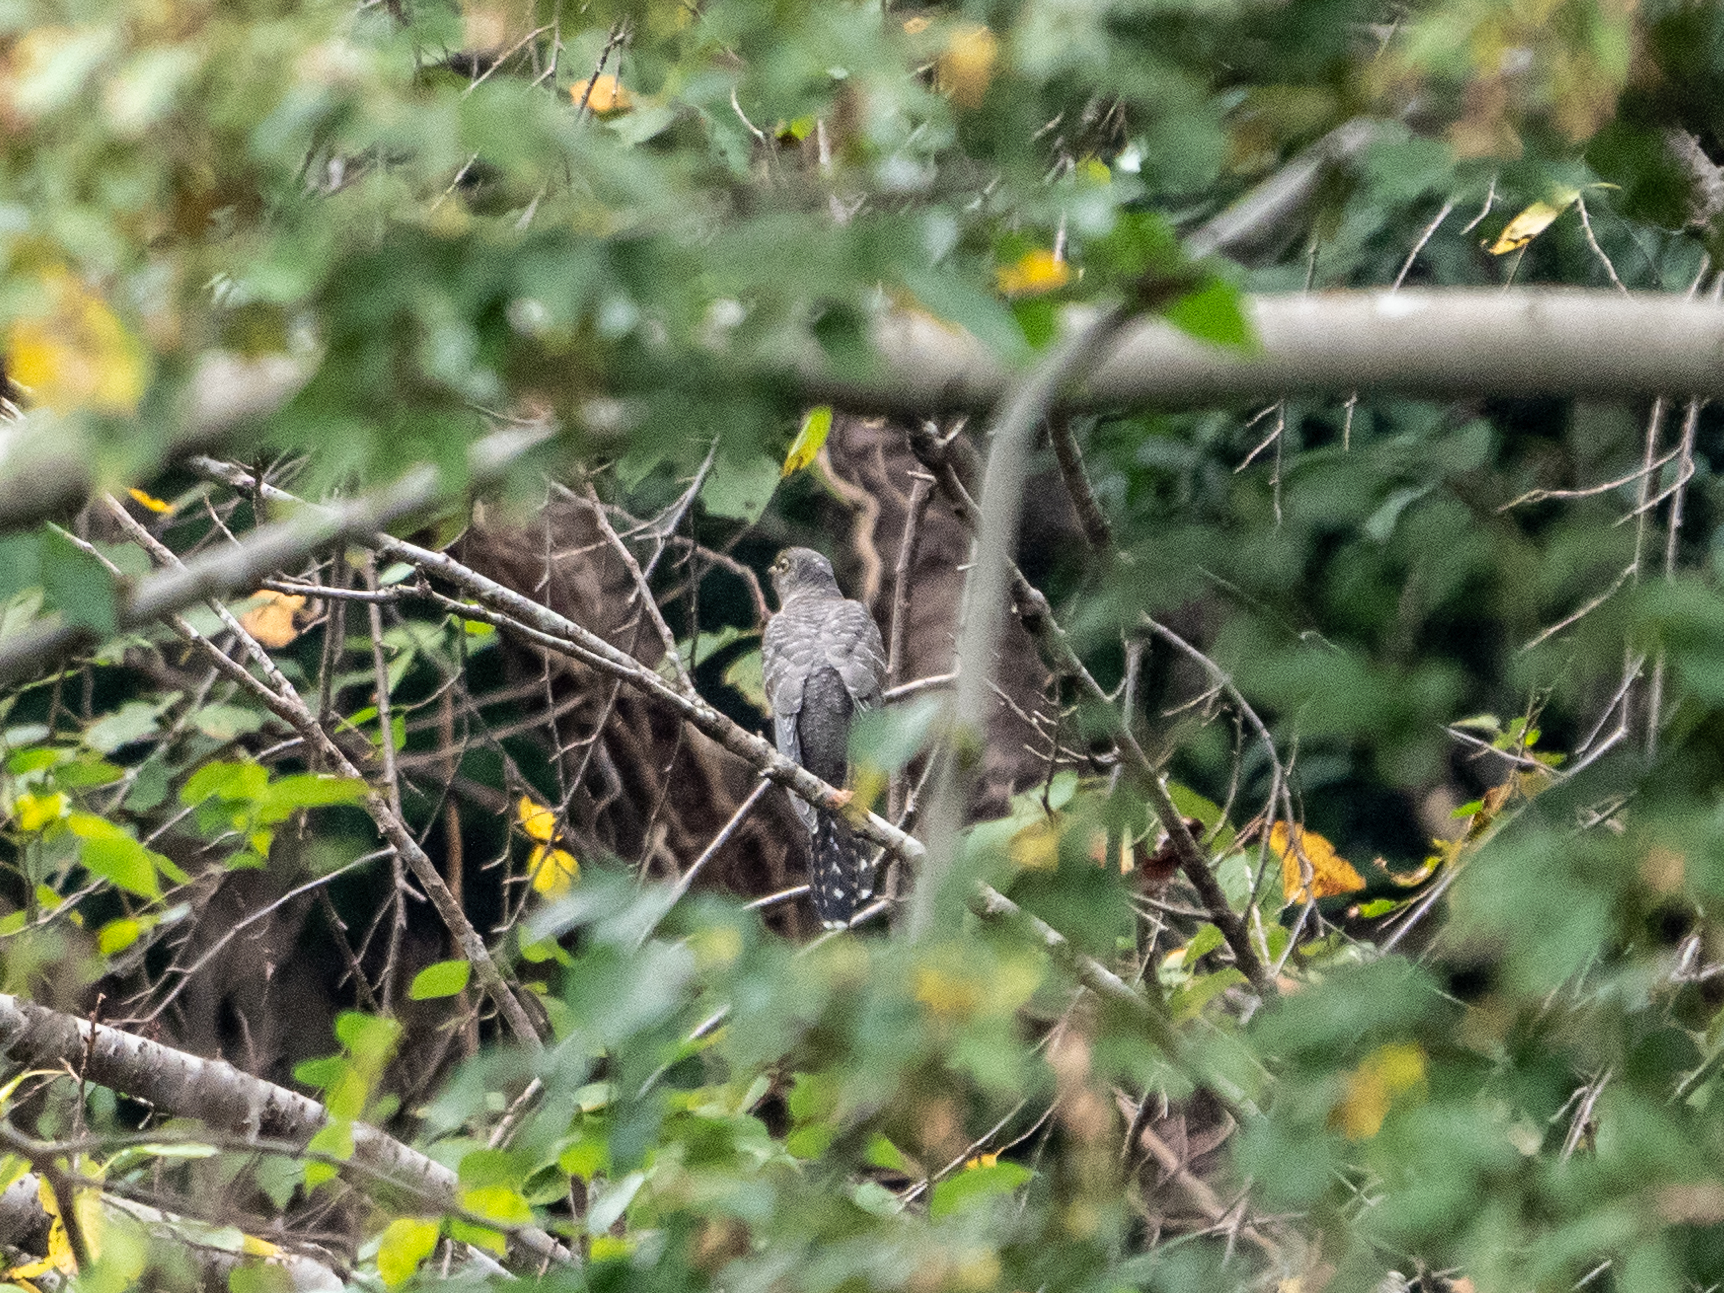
(823, 663)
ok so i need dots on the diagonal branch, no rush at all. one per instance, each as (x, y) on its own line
(1022, 409)
(498, 604)
(950, 461)
(283, 700)
(269, 548)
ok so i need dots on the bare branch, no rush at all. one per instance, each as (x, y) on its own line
(222, 571)
(1448, 343)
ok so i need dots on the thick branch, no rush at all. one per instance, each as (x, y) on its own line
(1451, 343)
(1011, 433)
(183, 1085)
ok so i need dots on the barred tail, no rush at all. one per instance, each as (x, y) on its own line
(841, 873)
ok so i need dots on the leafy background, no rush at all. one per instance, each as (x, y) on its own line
(1492, 1047)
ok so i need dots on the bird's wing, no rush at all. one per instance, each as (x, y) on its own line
(786, 655)
(784, 662)
(854, 648)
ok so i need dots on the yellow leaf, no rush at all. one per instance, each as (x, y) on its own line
(1387, 1072)
(76, 354)
(917, 25)
(947, 996)
(554, 871)
(1035, 272)
(406, 1242)
(539, 822)
(150, 501)
(1331, 874)
(967, 65)
(608, 95)
(816, 424)
(1529, 224)
(37, 812)
(1037, 846)
(981, 1160)
(272, 622)
(60, 1257)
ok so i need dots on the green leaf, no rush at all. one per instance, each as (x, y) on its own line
(968, 1187)
(444, 979)
(1187, 1001)
(121, 859)
(1204, 941)
(133, 721)
(258, 1276)
(118, 935)
(883, 1153)
(319, 1072)
(406, 1242)
(1214, 313)
(739, 487)
(227, 781)
(1140, 243)
(498, 1203)
(335, 1139)
(225, 722)
(78, 585)
(308, 790)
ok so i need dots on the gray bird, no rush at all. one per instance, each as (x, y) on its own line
(824, 663)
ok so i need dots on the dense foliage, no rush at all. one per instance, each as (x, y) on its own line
(443, 810)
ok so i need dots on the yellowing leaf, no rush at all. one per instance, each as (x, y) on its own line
(1387, 1072)
(608, 95)
(406, 1242)
(1035, 272)
(917, 25)
(1037, 846)
(554, 871)
(946, 995)
(150, 501)
(118, 935)
(1331, 874)
(806, 447)
(76, 354)
(539, 822)
(1529, 224)
(37, 812)
(980, 1160)
(272, 622)
(967, 65)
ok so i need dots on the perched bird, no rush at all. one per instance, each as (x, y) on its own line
(823, 663)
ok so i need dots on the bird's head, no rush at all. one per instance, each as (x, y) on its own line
(801, 570)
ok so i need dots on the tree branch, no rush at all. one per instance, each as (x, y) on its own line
(283, 700)
(1450, 343)
(219, 1095)
(42, 475)
(239, 567)
(950, 461)
(1011, 433)
(503, 606)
